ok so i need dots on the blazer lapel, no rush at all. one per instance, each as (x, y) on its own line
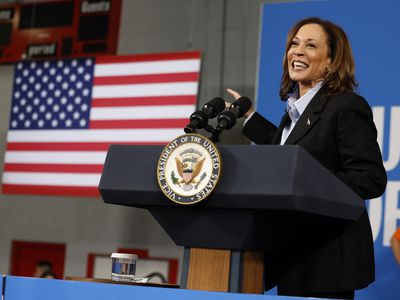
(309, 117)
(277, 138)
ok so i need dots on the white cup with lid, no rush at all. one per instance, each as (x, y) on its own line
(123, 266)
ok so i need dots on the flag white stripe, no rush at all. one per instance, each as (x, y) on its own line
(94, 135)
(145, 68)
(56, 157)
(51, 179)
(142, 112)
(144, 90)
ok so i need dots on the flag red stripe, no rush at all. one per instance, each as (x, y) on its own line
(59, 168)
(50, 190)
(71, 146)
(153, 78)
(141, 101)
(147, 57)
(145, 123)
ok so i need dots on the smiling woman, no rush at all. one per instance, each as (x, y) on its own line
(317, 50)
(334, 124)
(308, 57)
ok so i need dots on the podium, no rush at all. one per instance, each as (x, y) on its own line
(263, 193)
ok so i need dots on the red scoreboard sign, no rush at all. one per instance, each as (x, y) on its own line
(58, 29)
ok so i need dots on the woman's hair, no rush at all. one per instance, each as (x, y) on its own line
(339, 75)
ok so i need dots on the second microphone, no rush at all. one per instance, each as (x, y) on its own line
(227, 119)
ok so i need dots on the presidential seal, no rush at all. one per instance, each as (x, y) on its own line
(188, 169)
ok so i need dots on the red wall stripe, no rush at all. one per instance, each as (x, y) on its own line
(156, 123)
(72, 146)
(144, 101)
(50, 190)
(147, 57)
(143, 79)
(59, 168)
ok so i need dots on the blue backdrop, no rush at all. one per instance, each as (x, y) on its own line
(374, 32)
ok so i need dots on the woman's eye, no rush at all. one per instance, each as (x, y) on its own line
(311, 46)
(293, 43)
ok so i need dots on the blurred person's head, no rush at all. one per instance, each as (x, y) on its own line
(48, 275)
(42, 267)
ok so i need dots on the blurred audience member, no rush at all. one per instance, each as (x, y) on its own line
(42, 267)
(49, 275)
(395, 244)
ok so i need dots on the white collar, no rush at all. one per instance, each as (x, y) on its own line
(301, 102)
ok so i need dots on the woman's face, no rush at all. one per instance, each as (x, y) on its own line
(308, 55)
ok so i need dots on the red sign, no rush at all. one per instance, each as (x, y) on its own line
(58, 29)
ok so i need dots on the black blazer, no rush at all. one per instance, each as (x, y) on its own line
(338, 130)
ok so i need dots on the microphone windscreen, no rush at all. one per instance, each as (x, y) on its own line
(215, 106)
(243, 104)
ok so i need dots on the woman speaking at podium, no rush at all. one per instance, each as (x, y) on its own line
(334, 124)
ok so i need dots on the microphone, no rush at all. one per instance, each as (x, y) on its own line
(227, 119)
(199, 119)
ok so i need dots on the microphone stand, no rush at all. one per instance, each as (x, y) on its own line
(214, 133)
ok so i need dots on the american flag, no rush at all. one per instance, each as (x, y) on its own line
(65, 114)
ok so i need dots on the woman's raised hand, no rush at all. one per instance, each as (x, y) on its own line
(234, 94)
